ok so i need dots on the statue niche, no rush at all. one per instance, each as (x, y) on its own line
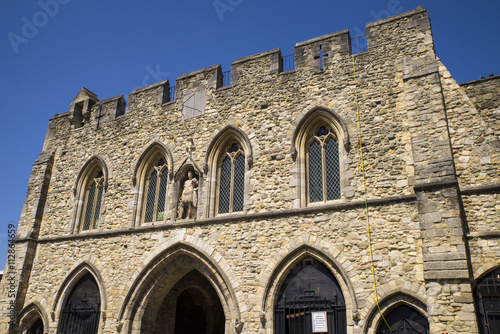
(188, 200)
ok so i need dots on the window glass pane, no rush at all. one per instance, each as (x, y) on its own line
(150, 201)
(97, 206)
(234, 148)
(332, 169)
(315, 173)
(225, 185)
(239, 183)
(161, 196)
(90, 206)
(323, 131)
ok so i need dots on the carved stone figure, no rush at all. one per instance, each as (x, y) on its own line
(188, 201)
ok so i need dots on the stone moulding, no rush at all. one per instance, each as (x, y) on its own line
(231, 218)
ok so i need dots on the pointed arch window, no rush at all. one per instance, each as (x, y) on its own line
(156, 192)
(323, 171)
(231, 179)
(93, 200)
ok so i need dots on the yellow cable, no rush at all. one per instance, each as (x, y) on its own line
(366, 200)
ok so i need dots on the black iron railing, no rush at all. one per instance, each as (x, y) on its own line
(295, 317)
(288, 63)
(359, 44)
(172, 93)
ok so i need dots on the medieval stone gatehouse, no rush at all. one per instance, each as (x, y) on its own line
(348, 193)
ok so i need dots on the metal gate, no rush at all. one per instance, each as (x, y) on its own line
(295, 316)
(404, 320)
(80, 318)
(81, 312)
(487, 294)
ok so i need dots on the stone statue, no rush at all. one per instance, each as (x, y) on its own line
(189, 198)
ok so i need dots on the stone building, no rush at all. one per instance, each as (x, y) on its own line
(274, 204)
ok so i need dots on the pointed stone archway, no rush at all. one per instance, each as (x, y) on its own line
(180, 291)
(192, 306)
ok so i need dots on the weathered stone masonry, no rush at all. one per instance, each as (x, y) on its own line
(431, 153)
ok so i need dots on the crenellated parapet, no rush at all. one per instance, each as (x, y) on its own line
(404, 35)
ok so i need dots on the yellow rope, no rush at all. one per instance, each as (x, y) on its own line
(366, 201)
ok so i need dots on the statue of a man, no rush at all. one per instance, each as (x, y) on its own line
(189, 198)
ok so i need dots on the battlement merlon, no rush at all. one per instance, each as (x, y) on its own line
(404, 35)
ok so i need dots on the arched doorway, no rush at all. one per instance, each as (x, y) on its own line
(192, 306)
(36, 328)
(81, 311)
(310, 297)
(404, 320)
(487, 297)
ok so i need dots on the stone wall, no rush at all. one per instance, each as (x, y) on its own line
(423, 141)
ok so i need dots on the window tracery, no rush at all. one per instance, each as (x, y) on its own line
(231, 179)
(93, 199)
(155, 196)
(319, 147)
(323, 166)
(227, 163)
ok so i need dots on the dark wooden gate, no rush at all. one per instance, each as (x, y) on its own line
(82, 309)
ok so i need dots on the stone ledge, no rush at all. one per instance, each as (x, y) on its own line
(320, 38)
(434, 185)
(150, 87)
(417, 10)
(445, 265)
(446, 274)
(229, 219)
(444, 256)
(256, 56)
(495, 187)
(484, 235)
(479, 80)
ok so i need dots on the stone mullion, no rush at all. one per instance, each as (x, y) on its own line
(157, 196)
(94, 205)
(231, 187)
(323, 169)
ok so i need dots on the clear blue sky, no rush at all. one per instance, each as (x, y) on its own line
(49, 49)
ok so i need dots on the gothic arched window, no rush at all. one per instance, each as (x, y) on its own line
(227, 164)
(319, 147)
(231, 179)
(323, 170)
(156, 192)
(93, 199)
